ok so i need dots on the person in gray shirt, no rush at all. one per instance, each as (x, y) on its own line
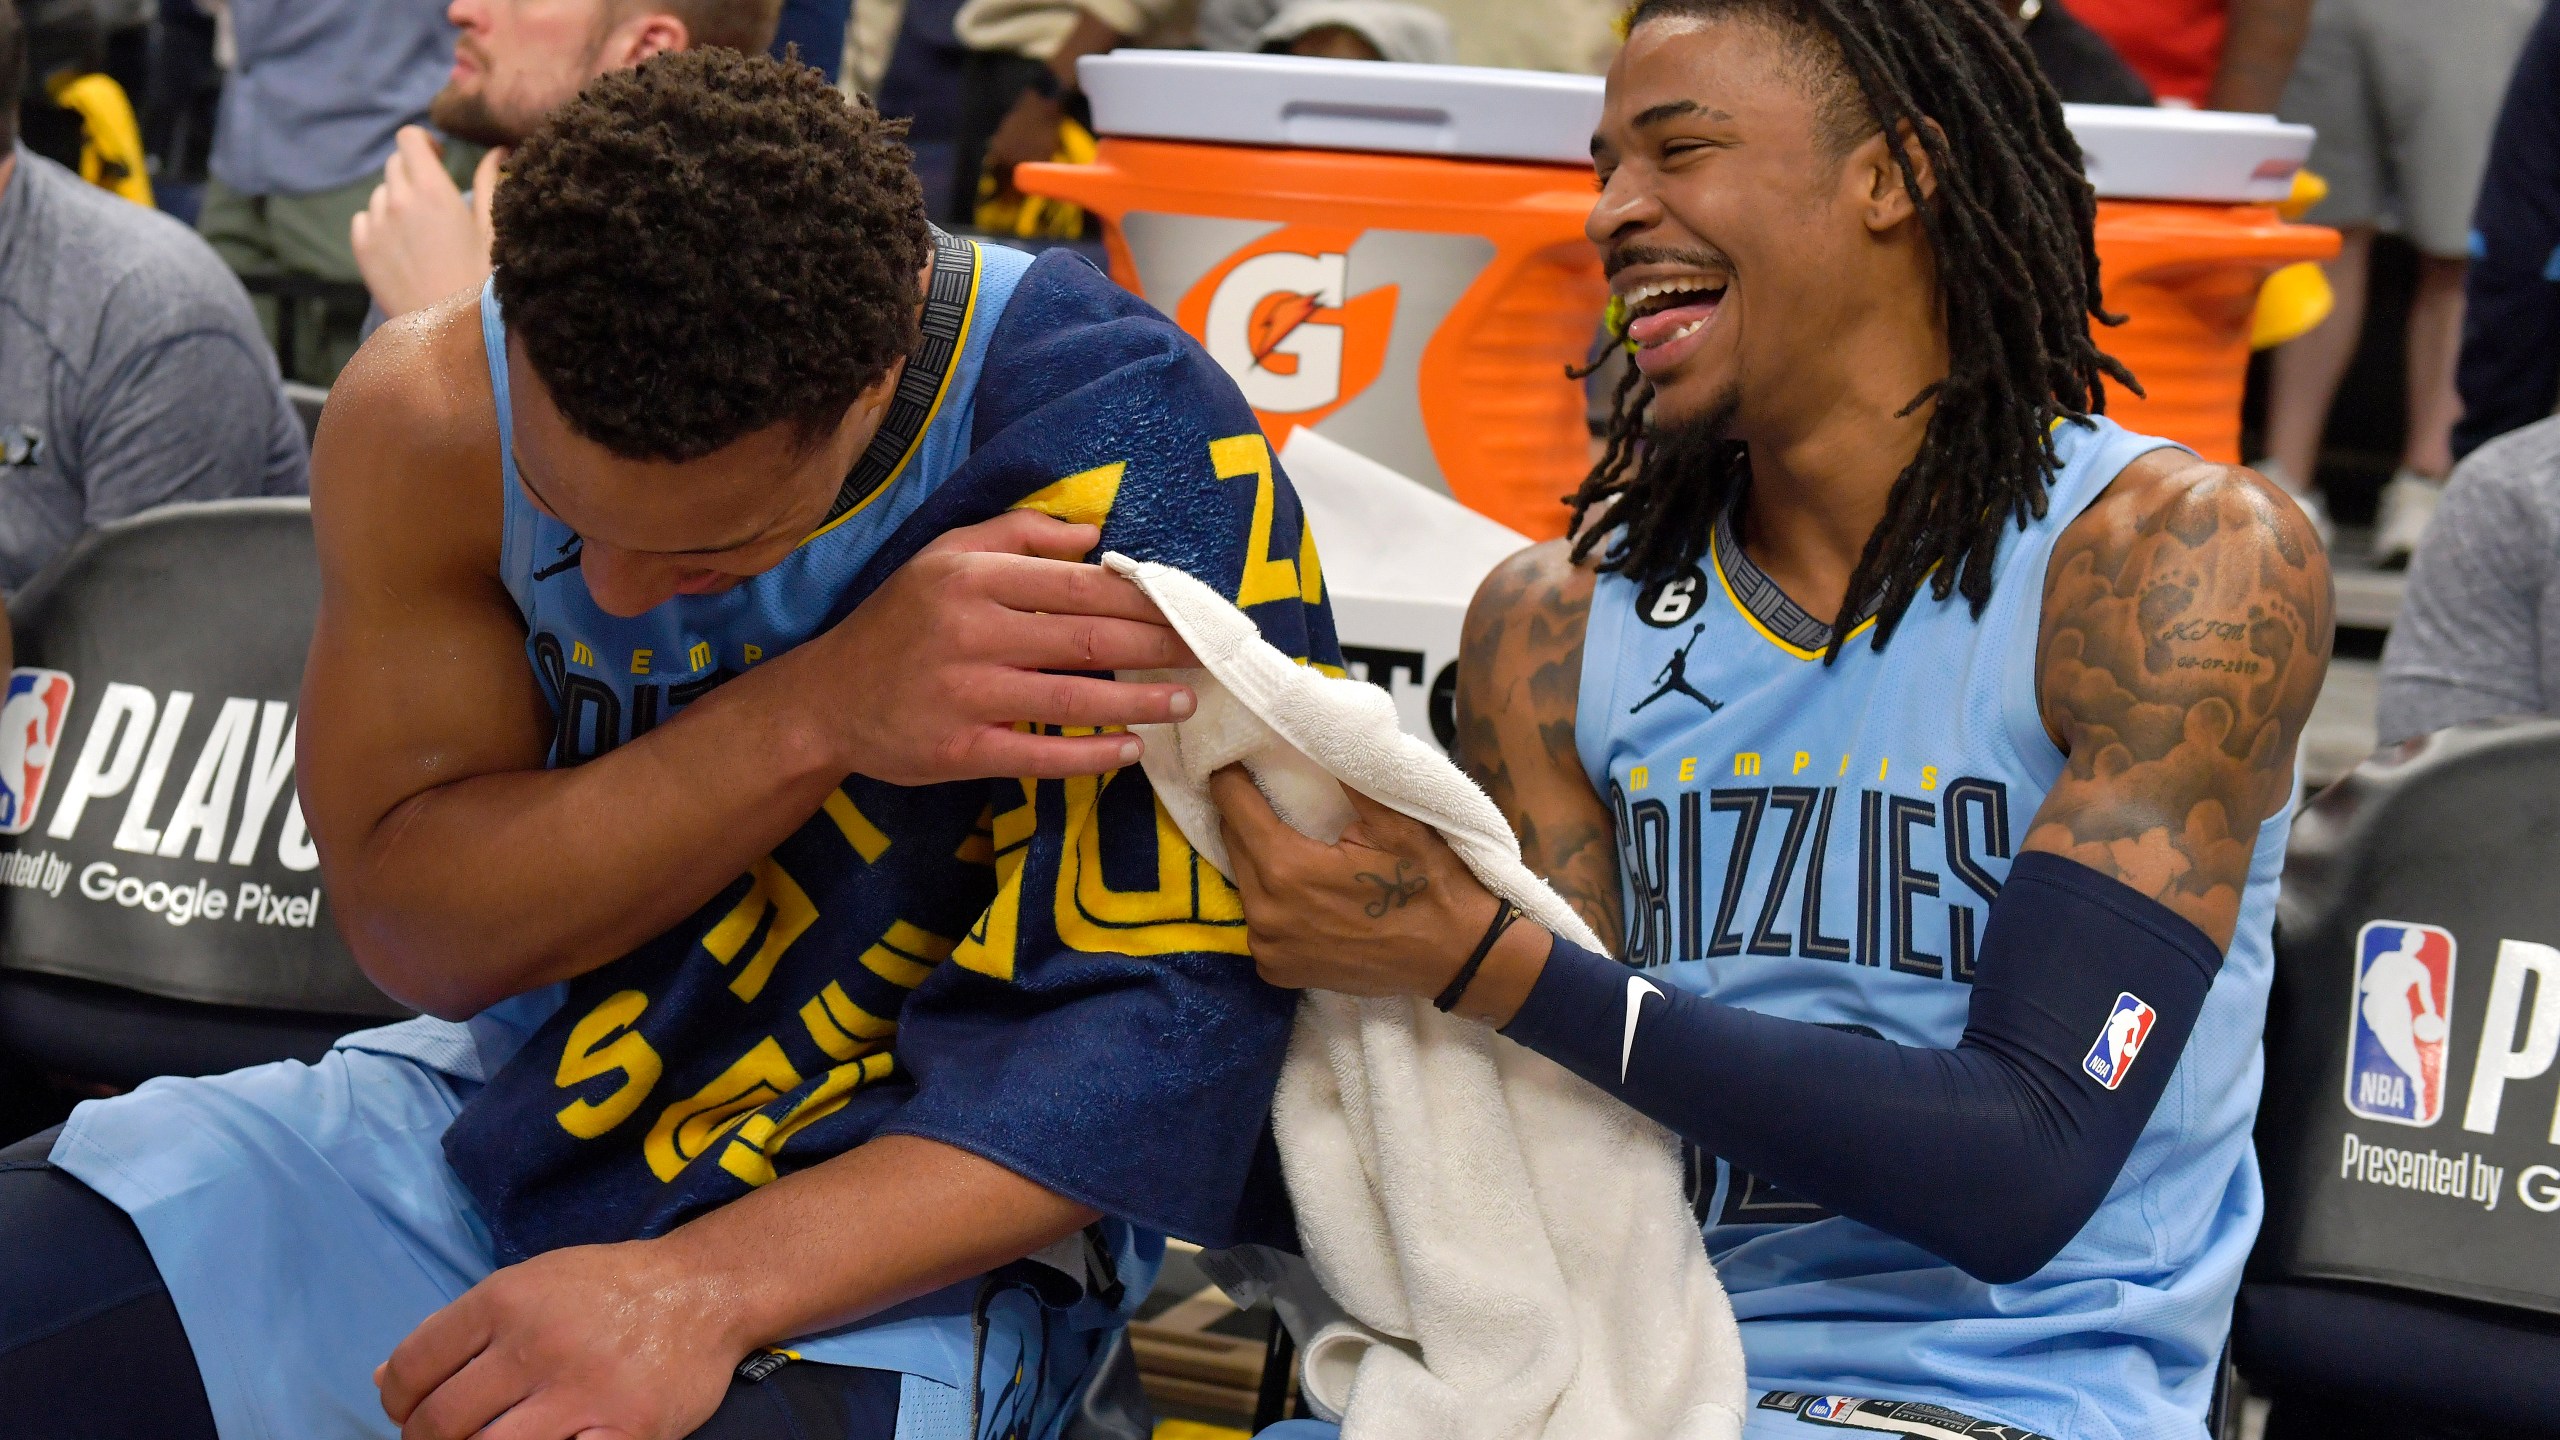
(132, 371)
(2479, 632)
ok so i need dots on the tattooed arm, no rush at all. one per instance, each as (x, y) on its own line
(1519, 677)
(2185, 631)
(2187, 623)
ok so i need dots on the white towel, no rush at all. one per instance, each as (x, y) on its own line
(1516, 1246)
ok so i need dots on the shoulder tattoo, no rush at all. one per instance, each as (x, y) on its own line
(2186, 631)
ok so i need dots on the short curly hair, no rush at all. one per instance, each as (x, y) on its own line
(706, 246)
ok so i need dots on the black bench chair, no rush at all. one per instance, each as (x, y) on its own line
(164, 914)
(307, 402)
(2409, 1271)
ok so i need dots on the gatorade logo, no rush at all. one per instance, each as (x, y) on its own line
(1263, 329)
(1287, 321)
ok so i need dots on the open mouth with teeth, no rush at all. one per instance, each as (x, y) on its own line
(1660, 312)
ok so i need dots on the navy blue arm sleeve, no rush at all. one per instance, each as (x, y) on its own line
(1991, 1155)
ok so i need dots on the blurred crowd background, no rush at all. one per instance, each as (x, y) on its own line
(333, 160)
(274, 126)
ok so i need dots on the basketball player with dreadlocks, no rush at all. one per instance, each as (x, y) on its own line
(1943, 889)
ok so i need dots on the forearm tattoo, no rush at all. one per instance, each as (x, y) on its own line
(2186, 631)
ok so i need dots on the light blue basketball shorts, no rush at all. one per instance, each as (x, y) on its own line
(305, 1221)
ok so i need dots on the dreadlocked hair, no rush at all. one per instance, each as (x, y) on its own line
(2013, 225)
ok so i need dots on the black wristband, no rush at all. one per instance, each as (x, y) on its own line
(1466, 975)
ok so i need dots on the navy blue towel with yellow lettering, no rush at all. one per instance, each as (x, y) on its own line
(1041, 973)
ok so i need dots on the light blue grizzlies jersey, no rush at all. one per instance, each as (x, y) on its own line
(1823, 843)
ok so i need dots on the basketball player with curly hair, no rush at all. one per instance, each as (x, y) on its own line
(709, 726)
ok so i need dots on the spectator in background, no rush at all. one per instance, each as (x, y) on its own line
(1580, 36)
(132, 372)
(418, 238)
(904, 55)
(2405, 97)
(2510, 369)
(1334, 29)
(1020, 82)
(181, 95)
(812, 31)
(2213, 54)
(2076, 60)
(317, 90)
(65, 38)
(2479, 633)
(874, 31)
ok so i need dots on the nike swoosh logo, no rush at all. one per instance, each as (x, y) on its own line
(1638, 987)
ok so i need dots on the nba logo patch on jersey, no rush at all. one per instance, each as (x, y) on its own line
(31, 719)
(2128, 1025)
(2399, 1022)
(1834, 1408)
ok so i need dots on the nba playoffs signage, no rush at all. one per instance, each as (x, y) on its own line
(2411, 1128)
(220, 812)
(150, 833)
(2442, 1142)
(2399, 1070)
(165, 809)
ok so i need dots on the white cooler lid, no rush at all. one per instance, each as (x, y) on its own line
(1342, 104)
(2140, 153)
(1538, 116)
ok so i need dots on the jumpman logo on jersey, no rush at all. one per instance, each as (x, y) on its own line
(1674, 679)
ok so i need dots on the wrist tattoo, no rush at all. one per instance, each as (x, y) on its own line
(1394, 894)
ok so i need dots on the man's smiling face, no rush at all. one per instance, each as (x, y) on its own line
(1725, 218)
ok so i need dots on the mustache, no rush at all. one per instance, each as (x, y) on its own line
(1626, 256)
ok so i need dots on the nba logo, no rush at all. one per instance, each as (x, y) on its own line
(2128, 1025)
(1830, 1407)
(2397, 1028)
(30, 723)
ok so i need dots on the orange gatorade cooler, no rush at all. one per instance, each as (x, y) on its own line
(1392, 255)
